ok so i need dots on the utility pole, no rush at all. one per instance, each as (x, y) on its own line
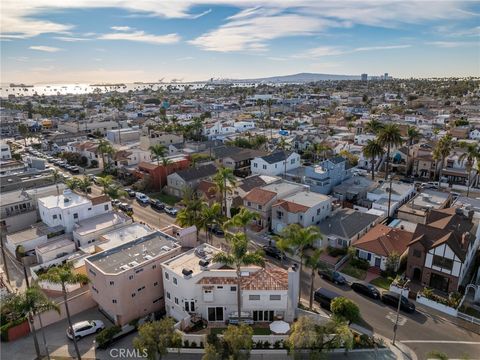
(3, 229)
(389, 195)
(395, 327)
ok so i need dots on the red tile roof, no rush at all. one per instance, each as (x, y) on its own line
(260, 196)
(383, 240)
(291, 207)
(100, 199)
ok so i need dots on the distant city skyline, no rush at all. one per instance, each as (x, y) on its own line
(46, 41)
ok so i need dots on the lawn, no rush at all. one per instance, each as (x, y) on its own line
(165, 198)
(382, 282)
(354, 272)
(256, 331)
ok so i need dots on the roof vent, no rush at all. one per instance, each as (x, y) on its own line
(203, 263)
(187, 273)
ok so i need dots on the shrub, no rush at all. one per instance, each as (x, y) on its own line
(186, 343)
(360, 263)
(266, 345)
(277, 344)
(193, 344)
(334, 251)
(437, 355)
(106, 335)
(346, 309)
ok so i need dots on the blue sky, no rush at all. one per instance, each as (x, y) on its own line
(146, 40)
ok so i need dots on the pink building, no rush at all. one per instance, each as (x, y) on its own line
(126, 281)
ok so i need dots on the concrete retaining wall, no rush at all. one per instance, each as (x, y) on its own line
(437, 306)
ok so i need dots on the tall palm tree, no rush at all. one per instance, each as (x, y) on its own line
(389, 136)
(28, 304)
(115, 192)
(56, 177)
(315, 264)
(64, 275)
(105, 148)
(190, 214)
(296, 240)
(441, 151)
(166, 163)
(472, 153)
(241, 220)
(412, 135)
(237, 257)
(224, 182)
(210, 215)
(73, 183)
(84, 184)
(157, 151)
(105, 182)
(373, 126)
(320, 149)
(371, 151)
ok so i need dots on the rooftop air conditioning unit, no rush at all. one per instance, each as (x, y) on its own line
(187, 273)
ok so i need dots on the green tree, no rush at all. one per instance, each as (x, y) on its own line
(105, 149)
(239, 341)
(297, 240)
(471, 154)
(389, 136)
(391, 265)
(24, 132)
(115, 192)
(345, 309)
(237, 257)
(154, 338)
(224, 182)
(315, 264)
(210, 216)
(190, 214)
(373, 126)
(320, 149)
(441, 151)
(29, 304)
(56, 177)
(158, 152)
(73, 183)
(371, 151)
(105, 182)
(65, 275)
(84, 184)
(241, 220)
(412, 135)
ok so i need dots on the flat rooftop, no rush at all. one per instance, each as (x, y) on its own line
(133, 253)
(100, 222)
(306, 198)
(126, 234)
(283, 187)
(13, 197)
(59, 243)
(190, 260)
(428, 199)
(34, 232)
(63, 201)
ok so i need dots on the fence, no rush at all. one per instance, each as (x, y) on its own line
(470, 319)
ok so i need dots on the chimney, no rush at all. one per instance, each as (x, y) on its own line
(465, 237)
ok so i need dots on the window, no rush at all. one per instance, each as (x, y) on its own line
(442, 262)
(130, 277)
(54, 217)
(133, 295)
(215, 313)
(89, 209)
(175, 281)
(187, 306)
(249, 203)
(158, 299)
(264, 167)
(154, 266)
(279, 215)
(137, 271)
(417, 253)
(155, 283)
(168, 295)
(167, 276)
(292, 161)
(114, 301)
(259, 207)
(219, 287)
(318, 211)
(60, 216)
(263, 315)
(233, 288)
(75, 216)
(255, 165)
(192, 305)
(106, 207)
(253, 297)
(176, 300)
(112, 282)
(275, 297)
(140, 288)
(92, 272)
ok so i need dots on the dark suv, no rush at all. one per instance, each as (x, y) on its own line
(274, 252)
(332, 276)
(366, 289)
(157, 204)
(391, 298)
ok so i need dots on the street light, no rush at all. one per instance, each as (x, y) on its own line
(398, 311)
(390, 178)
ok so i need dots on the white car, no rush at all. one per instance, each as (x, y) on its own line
(84, 328)
(171, 210)
(142, 198)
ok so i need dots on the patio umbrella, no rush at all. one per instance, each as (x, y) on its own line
(279, 327)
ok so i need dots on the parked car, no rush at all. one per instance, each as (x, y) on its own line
(130, 192)
(84, 328)
(116, 202)
(125, 207)
(332, 276)
(391, 298)
(157, 204)
(366, 289)
(74, 169)
(274, 252)
(171, 210)
(324, 297)
(144, 199)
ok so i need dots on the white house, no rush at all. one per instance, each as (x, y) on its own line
(241, 126)
(218, 128)
(195, 287)
(400, 194)
(69, 209)
(276, 163)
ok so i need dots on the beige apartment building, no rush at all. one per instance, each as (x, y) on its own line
(126, 281)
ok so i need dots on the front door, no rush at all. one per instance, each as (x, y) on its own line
(439, 282)
(378, 261)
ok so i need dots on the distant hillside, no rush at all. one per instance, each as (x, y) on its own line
(302, 78)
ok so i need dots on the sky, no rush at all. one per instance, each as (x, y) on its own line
(85, 41)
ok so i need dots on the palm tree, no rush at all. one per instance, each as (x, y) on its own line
(373, 126)
(320, 148)
(296, 240)
(24, 132)
(389, 136)
(269, 104)
(115, 192)
(56, 177)
(190, 214)
(315, 264)
(210, 215)
(105, 182)
(157, 151)
(224, 182)
(412, 135)
(32, 302)
(441, 151)
(64, 275)
(73, 183)
(105, 148)
(371, 151)
(237, 257)
(472, 153)
(84, 184)
(166, 162)
(241, 220)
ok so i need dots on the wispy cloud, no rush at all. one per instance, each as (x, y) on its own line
(121, 28)
(336, 50)
(452, 44)
(43, 48)
(70, 39)
(186, 58)
(142, 36)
